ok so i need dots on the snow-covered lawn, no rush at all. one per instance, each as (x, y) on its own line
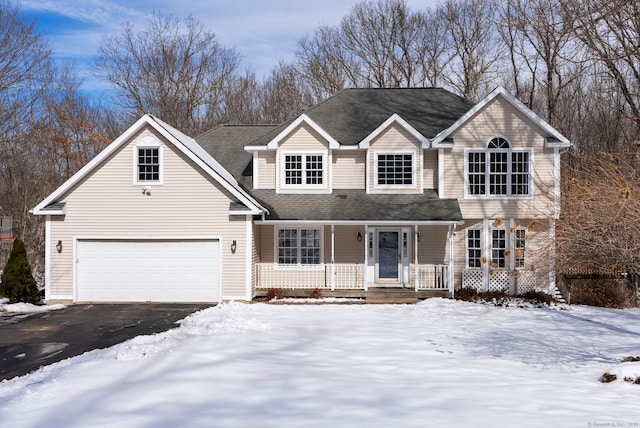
(439, 363)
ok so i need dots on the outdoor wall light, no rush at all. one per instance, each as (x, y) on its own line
(59, 246)
(233, 246)
(359, 236)
(418, 234)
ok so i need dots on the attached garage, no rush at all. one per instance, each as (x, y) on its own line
(153, 270)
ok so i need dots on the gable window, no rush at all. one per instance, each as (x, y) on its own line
(304, 169)
(499, 170)
(394, 169)
(148, 164)
(299, 246)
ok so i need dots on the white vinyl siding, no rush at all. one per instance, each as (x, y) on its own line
(266, 170)
(310, 149)
(187, 204)
(349, 169)
(524, 136)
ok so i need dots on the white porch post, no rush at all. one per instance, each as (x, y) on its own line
(552, 258)
(366, 257)
(452, 230)
(333, 257)
(415, 256)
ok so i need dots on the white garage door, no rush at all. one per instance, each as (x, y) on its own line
(148, 271)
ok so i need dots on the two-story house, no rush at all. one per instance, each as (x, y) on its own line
(374, 188)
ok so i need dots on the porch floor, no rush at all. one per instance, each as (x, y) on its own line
(372, 295)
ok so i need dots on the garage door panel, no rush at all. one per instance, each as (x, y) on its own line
(148, 270)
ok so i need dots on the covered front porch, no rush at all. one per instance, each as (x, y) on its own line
(355, 260)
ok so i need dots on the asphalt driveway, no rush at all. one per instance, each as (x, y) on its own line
(28, 342)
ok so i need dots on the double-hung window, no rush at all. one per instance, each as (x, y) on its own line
(394, 169)
(299, 246)
(499, 170)
(474, 249)
(148, 164)
(304, 169)
(147, 161)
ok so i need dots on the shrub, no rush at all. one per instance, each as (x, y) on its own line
(315, 294)
(275, 293)
(467, 294)
(17, 280)
(537, 297)
(605, 293)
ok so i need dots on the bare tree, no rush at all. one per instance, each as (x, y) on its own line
(610, 30)
(542, 50)
(600, 209)
(285, 94)
(174, 68)
(471, 25)
(326, 62)
(25, 63)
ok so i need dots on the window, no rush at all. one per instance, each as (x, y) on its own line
(148, 164)
(507, 248)
(498, 247)
(298, 246)
(302, 169)
(395, 169)
(474, 248)
(499, 170)
(520, 247)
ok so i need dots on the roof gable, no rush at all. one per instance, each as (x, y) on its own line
(182, 142)
(553, 139)
(394, 119)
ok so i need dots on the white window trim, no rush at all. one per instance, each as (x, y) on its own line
(276, 252)
(486, 150)
(148, 142)
(414, 170)
(486, 246)
(466, 247)
(325, 170)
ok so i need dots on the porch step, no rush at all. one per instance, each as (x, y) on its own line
(391, 300)
(557, 294)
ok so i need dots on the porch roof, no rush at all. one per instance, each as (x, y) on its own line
(359, 206)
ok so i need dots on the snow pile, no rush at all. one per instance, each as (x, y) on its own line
(437, 363)
(26, 308)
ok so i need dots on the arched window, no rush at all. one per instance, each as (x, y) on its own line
(499, 170)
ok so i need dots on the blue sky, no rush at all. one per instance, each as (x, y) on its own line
(263, 31)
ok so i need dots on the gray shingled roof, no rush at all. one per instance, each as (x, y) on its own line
(226, 144)
(351, 115)
(357, 205)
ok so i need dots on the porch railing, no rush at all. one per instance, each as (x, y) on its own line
(432, 277)
(340, 276)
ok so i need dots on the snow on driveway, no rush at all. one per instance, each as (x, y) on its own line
(437, 363)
